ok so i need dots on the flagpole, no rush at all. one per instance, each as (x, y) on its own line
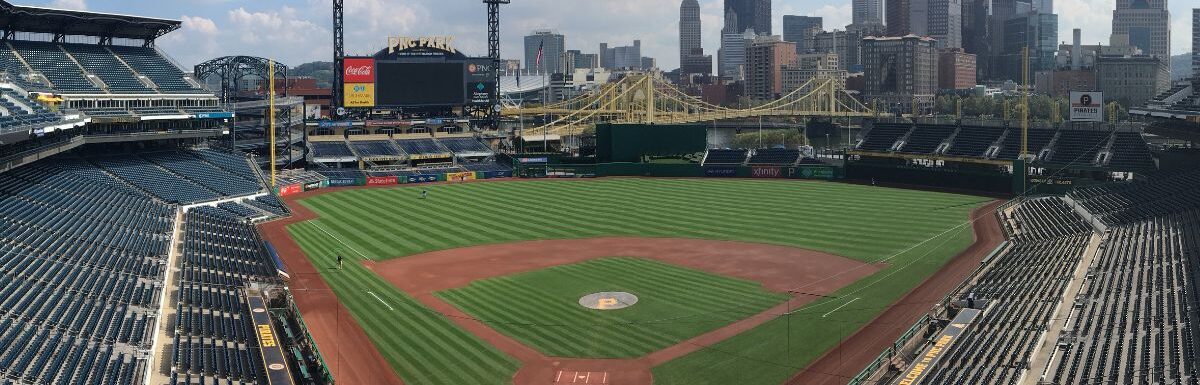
(545, 99)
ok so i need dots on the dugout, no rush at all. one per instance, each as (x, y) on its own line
(630, 143)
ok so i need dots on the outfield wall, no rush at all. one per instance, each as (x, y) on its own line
(824, 172)
(392, 180)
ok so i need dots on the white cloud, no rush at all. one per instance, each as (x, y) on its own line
(1092, 17)
(79, 5)
(1181, 36)
(194, 42)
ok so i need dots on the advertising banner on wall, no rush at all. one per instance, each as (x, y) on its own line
(340, 182)
(460, 176)
(422, 178)
(498, 174)
(765, 172)
(1087, 106)
(312, 186)
(720, 172)
(359, 95)
(381, 180)
(358, 70)
(291, 189)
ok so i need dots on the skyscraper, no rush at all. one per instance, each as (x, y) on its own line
(691, 55)
(800, 30)
(765, 59)
(754, 14)
(624, 57)
(1196, 49)
(897, 18)
(976, 32)
(1146, 23)
(867, 12)
(552, 45)
(689, 28)
(939, 19)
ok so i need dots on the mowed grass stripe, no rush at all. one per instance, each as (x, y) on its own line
(662, 317)
(421, 358)
(859, 222)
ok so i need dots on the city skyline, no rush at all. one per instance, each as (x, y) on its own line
(233, 27)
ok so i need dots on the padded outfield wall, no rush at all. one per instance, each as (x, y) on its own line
(630, 142)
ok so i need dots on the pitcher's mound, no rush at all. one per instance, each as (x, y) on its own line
(608, 300)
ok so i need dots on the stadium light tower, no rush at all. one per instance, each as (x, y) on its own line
(339, 53)
(493, 7)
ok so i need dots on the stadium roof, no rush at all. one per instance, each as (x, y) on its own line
(19, 18)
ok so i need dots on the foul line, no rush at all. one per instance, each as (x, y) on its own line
(839, 307)
(322, 228)
(380, 300)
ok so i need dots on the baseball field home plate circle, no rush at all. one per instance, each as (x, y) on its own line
(608, 300)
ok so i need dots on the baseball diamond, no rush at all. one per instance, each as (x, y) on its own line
(407, 316)
(918, 209)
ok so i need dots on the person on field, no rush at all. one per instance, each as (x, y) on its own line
(339, 261)
(424, 194)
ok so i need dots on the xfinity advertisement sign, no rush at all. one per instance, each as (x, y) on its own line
(1087, 106)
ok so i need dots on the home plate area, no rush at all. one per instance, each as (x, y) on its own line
(574, 377)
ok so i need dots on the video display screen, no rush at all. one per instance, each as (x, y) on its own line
(419, 84)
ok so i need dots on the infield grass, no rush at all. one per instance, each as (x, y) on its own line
(541, 309)
(914, 232)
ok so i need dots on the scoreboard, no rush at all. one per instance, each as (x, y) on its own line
(418, 73)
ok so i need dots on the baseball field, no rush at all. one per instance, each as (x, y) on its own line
(737, 281)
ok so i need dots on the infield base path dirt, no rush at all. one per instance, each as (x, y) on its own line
(349, 353)
(778, 268)
(852, 355)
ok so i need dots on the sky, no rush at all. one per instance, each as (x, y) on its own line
(298, 31)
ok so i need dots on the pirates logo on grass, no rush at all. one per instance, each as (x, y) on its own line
(608, 300)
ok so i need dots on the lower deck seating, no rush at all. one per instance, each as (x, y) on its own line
(974, 141)
(774, 156)
(80, 268)
(214, 338)
(926, 139)
(725, 156)
(1134, 309)
(883, 136)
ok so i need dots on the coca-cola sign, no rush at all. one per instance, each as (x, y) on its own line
(359, 70)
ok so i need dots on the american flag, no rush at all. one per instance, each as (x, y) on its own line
(538, 62)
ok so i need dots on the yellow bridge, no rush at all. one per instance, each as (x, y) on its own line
(643, 98)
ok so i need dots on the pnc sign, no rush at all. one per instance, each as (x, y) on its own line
(401, 43)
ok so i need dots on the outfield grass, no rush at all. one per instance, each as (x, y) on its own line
(860, 222)
(541, 309)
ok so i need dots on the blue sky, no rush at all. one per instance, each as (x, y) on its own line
(298, 31)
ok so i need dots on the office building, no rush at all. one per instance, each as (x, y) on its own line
(900, 69)
(692, 59)
(897, 18)
(574, 59)
(732, 55)
(976, 33)
(1196, 50)
(1039, 32)
(648, 63)
(956, 69)
(939, 19)
(800, 30)
(623, 57)
(1132, 80)
(811, 66)
(552, 45)
(765, 59)
(749, 14)
(866, 12)
(1147, 23)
